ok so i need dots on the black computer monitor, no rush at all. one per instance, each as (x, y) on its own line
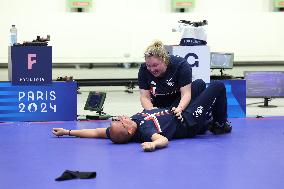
(219, 60)
(95, 101)
(264, 84)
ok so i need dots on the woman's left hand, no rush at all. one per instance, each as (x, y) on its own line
(177, 111)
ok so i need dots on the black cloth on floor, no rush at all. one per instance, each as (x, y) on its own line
(68, 175)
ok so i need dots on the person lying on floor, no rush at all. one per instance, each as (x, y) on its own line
(155, 128)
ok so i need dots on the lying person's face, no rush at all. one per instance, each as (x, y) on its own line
(122, 129)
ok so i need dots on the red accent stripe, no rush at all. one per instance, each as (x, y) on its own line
(155, 123)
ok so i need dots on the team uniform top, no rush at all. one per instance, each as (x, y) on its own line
(165, 90)
(161, 121)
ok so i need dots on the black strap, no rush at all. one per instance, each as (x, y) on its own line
(68, 175)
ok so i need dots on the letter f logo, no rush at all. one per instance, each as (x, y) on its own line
(30, 61)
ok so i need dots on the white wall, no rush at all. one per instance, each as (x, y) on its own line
(115, 28)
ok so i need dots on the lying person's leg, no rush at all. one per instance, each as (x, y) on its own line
(212, 100)
(197, 87)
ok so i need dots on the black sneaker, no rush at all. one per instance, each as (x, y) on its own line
(218, 129)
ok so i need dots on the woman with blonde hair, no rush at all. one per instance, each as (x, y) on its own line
(166, 81)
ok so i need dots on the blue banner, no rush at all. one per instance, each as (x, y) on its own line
(236, 97)
(55, 102)
(31, 65)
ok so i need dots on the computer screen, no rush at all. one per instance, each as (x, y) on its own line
(219, 60)
(95, 101)
(263, 84)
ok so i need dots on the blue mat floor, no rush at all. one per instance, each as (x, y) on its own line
(250, 157)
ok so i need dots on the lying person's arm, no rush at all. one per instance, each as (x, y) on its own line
(83, 133)
(158, 141)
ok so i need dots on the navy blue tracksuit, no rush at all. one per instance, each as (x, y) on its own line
(209, 105)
